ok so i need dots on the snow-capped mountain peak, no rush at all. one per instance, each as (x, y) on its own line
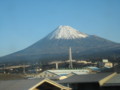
(66, 32)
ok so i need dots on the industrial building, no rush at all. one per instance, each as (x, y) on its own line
(61, 74)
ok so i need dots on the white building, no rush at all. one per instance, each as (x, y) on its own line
(61, 74)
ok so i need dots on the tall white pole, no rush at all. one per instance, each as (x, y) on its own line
(56, 65)
(70, 58)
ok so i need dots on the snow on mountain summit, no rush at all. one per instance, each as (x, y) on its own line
(66, 32)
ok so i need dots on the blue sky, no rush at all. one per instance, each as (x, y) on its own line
(23, 22)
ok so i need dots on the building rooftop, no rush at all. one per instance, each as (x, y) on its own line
(85, 78)
(115, 81)
(18, 84)
(31, 84)
(26, 84)
(68, 71)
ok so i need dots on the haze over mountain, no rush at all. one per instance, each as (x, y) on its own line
(55, 46)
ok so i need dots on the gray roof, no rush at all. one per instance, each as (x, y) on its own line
(18, 84)
(115, 81)
(64, 72)
(87, 78)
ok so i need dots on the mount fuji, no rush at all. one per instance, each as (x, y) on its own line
(56, 44)
(66, 32)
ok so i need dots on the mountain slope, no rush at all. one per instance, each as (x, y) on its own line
(55, 46)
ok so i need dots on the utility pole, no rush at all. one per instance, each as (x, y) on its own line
(24, 69)
(115, 64)
(4, 68)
